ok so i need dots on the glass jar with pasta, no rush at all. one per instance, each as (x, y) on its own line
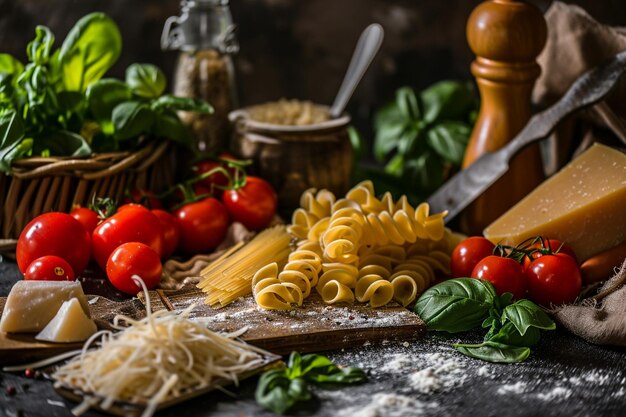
(295, 145)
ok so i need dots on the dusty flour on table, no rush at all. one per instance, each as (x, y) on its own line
(388, 405)
(515, 388)
(444, 373)
(556, 393)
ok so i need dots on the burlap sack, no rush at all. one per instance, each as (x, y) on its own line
(577, 43)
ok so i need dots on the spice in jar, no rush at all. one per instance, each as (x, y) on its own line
(206, 74)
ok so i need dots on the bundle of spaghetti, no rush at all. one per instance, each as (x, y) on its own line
(153, 360)
(229, 276)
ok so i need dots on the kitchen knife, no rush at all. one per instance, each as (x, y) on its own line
(458, 192)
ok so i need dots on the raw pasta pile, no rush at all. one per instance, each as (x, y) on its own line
(358, 247)
(157, 358)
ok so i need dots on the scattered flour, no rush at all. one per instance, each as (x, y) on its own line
(444, 373)
(516, 388)
(557, 393)
(397, 363)
(388, 405)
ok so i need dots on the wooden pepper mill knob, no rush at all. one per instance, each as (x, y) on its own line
(506, 36)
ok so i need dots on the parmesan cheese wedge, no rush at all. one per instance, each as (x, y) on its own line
(70, 324)
(584, 205)
(32, 304)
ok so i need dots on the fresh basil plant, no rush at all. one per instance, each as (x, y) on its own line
(462, 304)
(421, 138)
(58, 104)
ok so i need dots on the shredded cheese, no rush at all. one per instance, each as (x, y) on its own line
(154, 359)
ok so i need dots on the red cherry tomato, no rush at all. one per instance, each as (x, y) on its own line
(217, 178)
(553, 279)
(144, 197)
(468, 253)
(130, 224)
(505, 274)
(203, 225)
(49, 268)
(550, 246)
(171, 231)
(133, 258)
(57, 234)
(87, 217)
(253, 205)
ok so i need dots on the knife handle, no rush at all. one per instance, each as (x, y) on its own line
(588, 89)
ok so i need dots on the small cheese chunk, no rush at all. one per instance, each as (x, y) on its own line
(71, 324)
(584, 205)
(32, 304)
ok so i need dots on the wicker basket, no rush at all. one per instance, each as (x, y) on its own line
(39, 185)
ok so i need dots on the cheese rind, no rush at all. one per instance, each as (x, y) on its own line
(70, 324)
(32, 304)
(584, 205)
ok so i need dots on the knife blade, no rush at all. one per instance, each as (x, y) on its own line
(462, 189)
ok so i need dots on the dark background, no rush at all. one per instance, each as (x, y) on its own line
(294, 48)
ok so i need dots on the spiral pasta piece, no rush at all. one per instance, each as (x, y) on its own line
(405, 289)
(374, 289)
(335, 292)
(272, 294)
(342, 273)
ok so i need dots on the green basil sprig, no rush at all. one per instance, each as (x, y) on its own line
(59, 105)
(421, 138)
(462, 304)
(279, 390)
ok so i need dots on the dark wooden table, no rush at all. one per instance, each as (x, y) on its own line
(564, 376)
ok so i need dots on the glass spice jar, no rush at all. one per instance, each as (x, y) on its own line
(205, 36)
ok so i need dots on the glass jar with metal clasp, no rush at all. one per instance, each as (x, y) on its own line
(204, 34)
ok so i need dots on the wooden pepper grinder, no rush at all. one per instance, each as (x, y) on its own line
(506, 36)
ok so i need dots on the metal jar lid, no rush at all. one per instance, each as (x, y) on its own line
(202, 24)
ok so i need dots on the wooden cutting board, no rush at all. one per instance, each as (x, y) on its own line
(313, 327)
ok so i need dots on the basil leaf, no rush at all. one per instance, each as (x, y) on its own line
(456, 305)
(70, 101)
(494, 352)
(103, 96)
(509, 335)
(38, 50)
(10, 65)
(174, 103)
(168, 125)
(447, 100)
(395, 166)
(407, 103)
(389, 123)
(449, 140)
(336, 375)
(11, 135)
(424, 173)
(131, 119)
(145, 80)
(525, 314)
(277, 393)
(89, 50)
(62, 143)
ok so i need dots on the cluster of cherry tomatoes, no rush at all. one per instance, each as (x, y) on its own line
(135, 237)
(544, 270)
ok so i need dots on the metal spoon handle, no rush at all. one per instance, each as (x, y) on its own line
(366, 48)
